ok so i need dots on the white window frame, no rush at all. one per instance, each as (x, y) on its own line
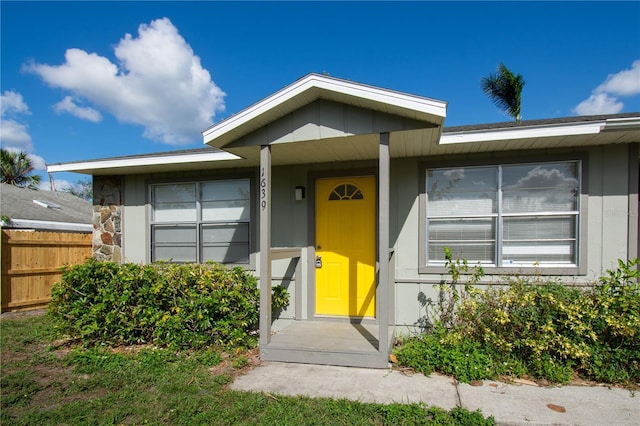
(198, 224)
(580, 214)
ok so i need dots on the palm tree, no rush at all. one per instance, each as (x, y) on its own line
(16, 168)
(505, 89)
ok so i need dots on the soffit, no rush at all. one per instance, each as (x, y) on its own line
(600, 131)
(174, 161)
(424, 143)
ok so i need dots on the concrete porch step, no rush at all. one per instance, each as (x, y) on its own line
(326, 342)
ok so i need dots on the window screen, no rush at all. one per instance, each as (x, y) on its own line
(504, 215)
(201, 221)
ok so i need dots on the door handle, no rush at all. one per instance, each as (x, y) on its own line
(318, 262)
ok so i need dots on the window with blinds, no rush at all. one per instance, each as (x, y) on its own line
(201, 221)
(504, 215)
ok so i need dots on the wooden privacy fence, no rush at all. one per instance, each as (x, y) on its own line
(31, 262)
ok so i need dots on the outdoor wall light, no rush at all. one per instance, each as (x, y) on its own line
(299, 193)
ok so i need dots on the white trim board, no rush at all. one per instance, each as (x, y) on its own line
(138, 161)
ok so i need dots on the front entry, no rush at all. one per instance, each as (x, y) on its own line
(346, 246)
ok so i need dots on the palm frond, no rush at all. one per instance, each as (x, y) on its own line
(505, 90)
(16, 169)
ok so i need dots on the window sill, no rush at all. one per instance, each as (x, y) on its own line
(515, 270)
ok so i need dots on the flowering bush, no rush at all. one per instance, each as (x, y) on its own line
(540, 328)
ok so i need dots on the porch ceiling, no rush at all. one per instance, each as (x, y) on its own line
(347, 148)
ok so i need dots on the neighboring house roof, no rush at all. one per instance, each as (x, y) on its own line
(36, 209)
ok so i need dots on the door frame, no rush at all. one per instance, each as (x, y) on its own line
(311, 238)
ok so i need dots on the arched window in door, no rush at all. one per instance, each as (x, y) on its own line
(345, 191)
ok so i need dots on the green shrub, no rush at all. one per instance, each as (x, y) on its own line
(279, 300)
(616, 353)
(530, 320)
(420, 414)
(165, 304)
(535, 327)
(466, 360)
(420, 352)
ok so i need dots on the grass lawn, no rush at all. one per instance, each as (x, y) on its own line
(49, 381)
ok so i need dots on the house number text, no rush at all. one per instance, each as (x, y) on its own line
(263, 189)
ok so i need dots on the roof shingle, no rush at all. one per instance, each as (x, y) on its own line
(18, 203)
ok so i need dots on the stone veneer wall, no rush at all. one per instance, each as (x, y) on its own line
(107, 218)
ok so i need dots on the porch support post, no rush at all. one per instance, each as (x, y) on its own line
(383, 243)
(633, 249)
(264, 188)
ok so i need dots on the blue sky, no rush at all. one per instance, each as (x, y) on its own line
(86, 80)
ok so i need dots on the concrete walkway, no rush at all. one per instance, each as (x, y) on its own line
(510, 404)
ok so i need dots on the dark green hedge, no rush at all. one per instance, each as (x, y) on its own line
(164, 304)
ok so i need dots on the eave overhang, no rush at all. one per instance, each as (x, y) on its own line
(541, 134)
(198, 159)
(516, 133)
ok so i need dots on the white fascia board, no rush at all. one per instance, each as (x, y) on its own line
(384, 96)
(417, 103)
(48, 225)
(614, 124)
(521, 133)
(142, 161)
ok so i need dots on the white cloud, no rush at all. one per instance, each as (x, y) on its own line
(541, 177)
(158, 83)
(624, 83)
(86, 113)
(604, 98)
(14, 134)
(599, 103)
(38, 162)
(454, 174)
(44, 185)
(12, 102)
(60, 184)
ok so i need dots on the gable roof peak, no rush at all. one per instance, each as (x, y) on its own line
(314, 86)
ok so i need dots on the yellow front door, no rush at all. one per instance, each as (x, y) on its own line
(346, 246)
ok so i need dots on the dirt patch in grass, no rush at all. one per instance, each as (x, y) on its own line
(23, 314)
(46, 375)
(234, 365)
(55, 381)
(48, 379)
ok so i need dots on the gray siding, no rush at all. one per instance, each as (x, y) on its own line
(609, 176)
(135, 237)
(605, 225)
(324, 119)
